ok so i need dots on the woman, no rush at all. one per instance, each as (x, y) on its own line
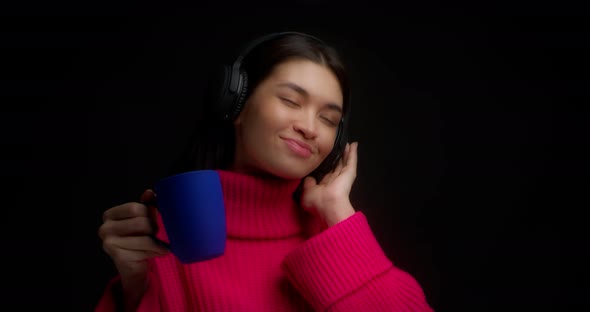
(295, 242)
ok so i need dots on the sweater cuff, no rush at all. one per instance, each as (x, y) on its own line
(336, 262)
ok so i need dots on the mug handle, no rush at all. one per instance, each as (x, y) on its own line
(154, 203)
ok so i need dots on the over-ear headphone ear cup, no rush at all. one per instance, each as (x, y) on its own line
(241, 95)
(339, 145)
(218, 92)
(335, 155)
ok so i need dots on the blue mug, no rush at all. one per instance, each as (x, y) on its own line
(193, 213)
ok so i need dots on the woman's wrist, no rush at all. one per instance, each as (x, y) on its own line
(337, 214)
(133, 288)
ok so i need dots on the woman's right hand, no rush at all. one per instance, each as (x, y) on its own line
(126, 237)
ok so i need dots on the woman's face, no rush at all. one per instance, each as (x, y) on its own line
(288, 124)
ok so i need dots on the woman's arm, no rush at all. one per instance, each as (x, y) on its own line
(345, 269)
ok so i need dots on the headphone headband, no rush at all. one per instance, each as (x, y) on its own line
(256, 42)
(237, 64)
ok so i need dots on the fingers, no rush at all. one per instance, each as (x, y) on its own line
(125, 211)
(351, 161)
(309, 182)
(336, 173)
(128, 227)
(147, 196)
(346, 153)
(352, 156)
(348, 162)
(344, 159)
(132, 248)
(328, 176)
(343, 163)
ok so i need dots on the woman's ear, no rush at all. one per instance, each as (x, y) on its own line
(240, 118)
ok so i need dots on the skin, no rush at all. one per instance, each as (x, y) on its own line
(125, 238)
(274, 111)
(302, 100)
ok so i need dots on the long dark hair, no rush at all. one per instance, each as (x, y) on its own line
(212, 145)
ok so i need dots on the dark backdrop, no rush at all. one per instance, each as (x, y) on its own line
(472, 163)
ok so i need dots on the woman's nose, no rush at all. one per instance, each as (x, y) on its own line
(306, 126)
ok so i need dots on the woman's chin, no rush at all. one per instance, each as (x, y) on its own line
(285, 174)
(289, 172)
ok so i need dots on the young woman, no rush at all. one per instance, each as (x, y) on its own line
(294, 241)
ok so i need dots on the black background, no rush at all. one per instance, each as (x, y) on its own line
(472, 164)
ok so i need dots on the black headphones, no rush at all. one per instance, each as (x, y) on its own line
(230, 86)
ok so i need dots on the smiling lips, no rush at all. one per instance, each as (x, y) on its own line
(300, 148)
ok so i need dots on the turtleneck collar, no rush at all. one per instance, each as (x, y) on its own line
(260, 207)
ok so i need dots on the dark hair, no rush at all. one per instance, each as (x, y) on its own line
(212, 146)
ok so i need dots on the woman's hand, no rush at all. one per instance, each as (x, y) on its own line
(329, 199)
(126, 237)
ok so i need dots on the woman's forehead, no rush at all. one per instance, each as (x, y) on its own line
(307, 78)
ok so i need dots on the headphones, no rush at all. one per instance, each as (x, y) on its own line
(230, 86)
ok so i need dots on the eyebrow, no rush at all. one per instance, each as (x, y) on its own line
(303, 92)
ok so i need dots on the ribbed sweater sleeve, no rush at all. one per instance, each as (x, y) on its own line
(111, 299)
(345, 269)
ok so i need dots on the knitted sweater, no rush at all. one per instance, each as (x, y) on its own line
(277, 258)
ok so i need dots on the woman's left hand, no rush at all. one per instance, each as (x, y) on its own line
(330, 198)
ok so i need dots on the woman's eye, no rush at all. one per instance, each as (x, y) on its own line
(289, 102)
(329, 121)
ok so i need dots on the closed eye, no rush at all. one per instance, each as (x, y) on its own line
(288, 101)
(330, 122)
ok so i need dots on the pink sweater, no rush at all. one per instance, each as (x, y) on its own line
(278, 259)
